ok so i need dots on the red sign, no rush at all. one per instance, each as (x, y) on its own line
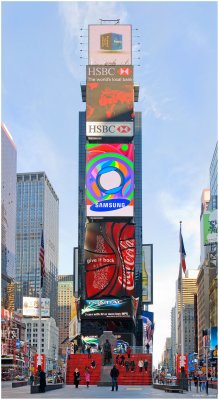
(178, 364)
(39, 360)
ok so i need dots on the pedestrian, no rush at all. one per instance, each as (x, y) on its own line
(204, 382)
(145, 364)
(122, 360)
(87, 376)
(123, 348)
(42, 379)
(31, 379)
(83, 347)
(127, 364)
(75, 348)
(195, 381)
(129, 350)
(140, 364)
(132, 365)
(147, 347)
(88, 351)
(76, 378)
(114, 373)
(200, 382)
(93, 364)
(117, 359)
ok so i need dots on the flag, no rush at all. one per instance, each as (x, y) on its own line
(182, 252)
(41, 259)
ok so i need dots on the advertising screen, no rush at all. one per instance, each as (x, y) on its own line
(31, 307)
(210, 227)
(148, 328)
(213, 341)
(109, 180)
(109, 73)
(107, 102)
(106, 308)
(110, 44)
(147, 273)
(109, 259)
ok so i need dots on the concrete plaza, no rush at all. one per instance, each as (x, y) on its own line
(94, 392)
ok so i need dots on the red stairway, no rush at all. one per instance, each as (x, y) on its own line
(81, 361)
(136, 377)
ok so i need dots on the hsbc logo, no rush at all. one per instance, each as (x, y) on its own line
(124, 71)
(109, 129)
(124, 129)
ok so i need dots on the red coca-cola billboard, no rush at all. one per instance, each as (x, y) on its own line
(39, 360)
(109, 259)
(178, 364)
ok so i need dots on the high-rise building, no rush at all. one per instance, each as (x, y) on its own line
(118, 133)
(8, 217)
(214, 179)
(65, 296)
(173, 337)
(49, 338)
(37, 209)
(188, 328)
(188, 288)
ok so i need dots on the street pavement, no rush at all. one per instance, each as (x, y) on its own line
(95, 392)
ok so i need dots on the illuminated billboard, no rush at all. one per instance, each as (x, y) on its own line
(109, 73)
(109, 180)
(107, 308)
(109, 259)
(31, 307)
(108, 102)
(148, 328)
(209, 227)
(110, 44)
(147, 273)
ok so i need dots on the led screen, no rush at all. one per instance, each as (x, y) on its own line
(106, 308)
(109, 101)
(110, 44)
(148, 328)
(110, 180)
(109, 259)
(147, 273)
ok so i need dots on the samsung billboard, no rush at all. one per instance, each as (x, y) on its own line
(109, 259)
(110, 44)
(107, 308)
(109, 180)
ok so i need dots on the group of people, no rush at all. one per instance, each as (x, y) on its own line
(77, 376)
(201, 381)
(120, 360)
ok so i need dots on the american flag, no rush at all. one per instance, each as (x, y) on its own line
(41, 259)
(182, 252)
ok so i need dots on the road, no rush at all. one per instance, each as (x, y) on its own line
(94, 392)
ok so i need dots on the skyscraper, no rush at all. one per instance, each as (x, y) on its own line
(214, 179)
(8, 216)
(65, 296)
(37, 209)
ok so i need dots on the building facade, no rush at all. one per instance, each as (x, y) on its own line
(188, 328)
(49, 339)
(8, 217)
(37, 209)
(214, 179)
(173, 337)
(65, 298)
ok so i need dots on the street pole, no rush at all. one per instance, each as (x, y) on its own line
(206, 357)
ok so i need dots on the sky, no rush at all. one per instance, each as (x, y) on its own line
(177, 74)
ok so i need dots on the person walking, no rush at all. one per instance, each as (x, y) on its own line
(117, 359)
(87, 376)
(31, 379)
(42, 379)
(200, 382)
(114, 373)
(127, 364)
(88, 351)
(145, 365)
(128, 351)
(76, 378)
(140, 364)
(122, 360)
(148, 347)
(204, 382)
(132, 365)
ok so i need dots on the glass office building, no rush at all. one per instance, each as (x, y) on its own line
(37, 209)
(213, 179)
(8, 216)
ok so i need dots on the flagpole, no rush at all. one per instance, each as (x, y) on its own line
(181, 310)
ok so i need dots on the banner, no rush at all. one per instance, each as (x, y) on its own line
(148, 328)
(110, 180)
(110, 44)
(109, 73)
(178, 364)
(109, 259)
(107, 308)
(39, 360)
(210, 227)
(31, 307)
(147, 273)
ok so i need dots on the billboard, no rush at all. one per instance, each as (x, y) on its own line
(213, 341)
(31, 307)
(110, 44)
(110, 252)
(39, 360)
(209, 227)
(148, 328)
(108, 102)
(178, 364)
(109, 129)
(109, 73)
(107, 308)
(147, 273)
(109, 180)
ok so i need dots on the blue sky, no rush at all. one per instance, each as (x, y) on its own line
(41, 77)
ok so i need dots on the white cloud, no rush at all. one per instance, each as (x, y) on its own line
(77, 16)
(154, 105)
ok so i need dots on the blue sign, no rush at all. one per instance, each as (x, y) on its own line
(18, 344)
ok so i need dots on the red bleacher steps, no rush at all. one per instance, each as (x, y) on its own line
(81, 361)
(136, 377)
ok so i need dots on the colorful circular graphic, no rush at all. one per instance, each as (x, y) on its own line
(109, 172)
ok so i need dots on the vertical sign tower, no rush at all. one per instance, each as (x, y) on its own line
(110, 220)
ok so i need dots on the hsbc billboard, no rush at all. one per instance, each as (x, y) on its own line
(109, 73)
(109, 129)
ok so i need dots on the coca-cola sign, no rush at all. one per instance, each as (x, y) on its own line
(109, 259)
